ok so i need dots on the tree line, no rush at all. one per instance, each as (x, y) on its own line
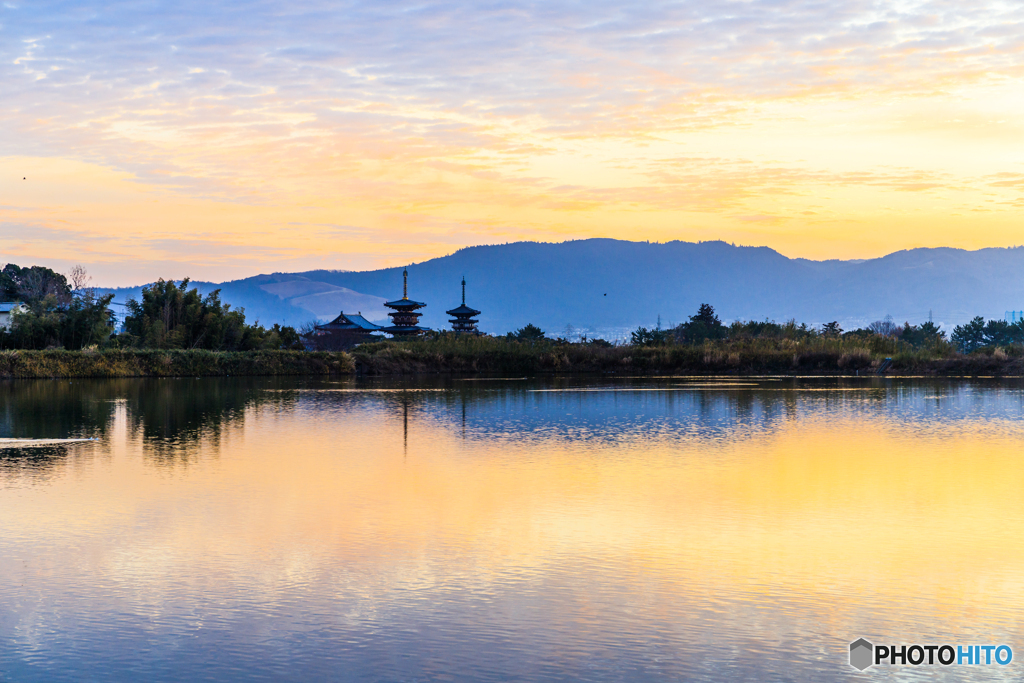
(175, 316)
(62, 311)
(54, 313)
(705, 325)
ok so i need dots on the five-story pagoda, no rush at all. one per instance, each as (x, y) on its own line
(405, 320)
(463, 315)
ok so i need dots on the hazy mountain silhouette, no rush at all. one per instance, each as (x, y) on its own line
(605, 283)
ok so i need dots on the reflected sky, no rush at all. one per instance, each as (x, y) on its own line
(549, 529)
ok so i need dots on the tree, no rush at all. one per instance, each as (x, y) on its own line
(33, 284)
(287, 337)
(885, 327)
(932, 333)
(755, 329)
(999, 333)
(704, 325)
(645, 337)
(174, 316)
(831, 329)
(706, 316)
(88, 320)
(969, 336)
(1018, 331)
(52, 316)
(925, 335)
(529, 333)
(861, 333)
(79, 278)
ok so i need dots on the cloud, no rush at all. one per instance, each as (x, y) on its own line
(430, 120)
(559, 65)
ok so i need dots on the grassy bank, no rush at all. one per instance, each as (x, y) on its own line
(747, 357)
(489, 355)
(154, 363)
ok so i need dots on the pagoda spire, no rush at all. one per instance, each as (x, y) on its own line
(404, 318)
(464, 322)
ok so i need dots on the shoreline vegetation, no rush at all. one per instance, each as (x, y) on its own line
(498, 355)
(449, 354)
(705, 346)
(64, 364)
(60, 328)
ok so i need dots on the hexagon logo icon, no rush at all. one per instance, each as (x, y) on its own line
(861, 654)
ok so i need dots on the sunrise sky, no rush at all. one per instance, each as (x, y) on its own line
(222, 139)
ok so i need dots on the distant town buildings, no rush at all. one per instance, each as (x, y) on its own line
(1010, 317)
(405, 321)
(463, 322)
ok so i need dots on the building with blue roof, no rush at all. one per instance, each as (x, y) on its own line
(343, 332)
(6, 309)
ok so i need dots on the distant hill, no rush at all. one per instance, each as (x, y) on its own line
(610, 286)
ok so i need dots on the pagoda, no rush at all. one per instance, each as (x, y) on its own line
(405, 320)
(464, 323)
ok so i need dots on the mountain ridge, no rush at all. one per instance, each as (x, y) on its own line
(603, 284)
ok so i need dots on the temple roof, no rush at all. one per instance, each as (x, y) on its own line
(463, 310)
(404, 328)
(404, 303)
(349, 322)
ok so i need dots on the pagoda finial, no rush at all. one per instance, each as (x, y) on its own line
(405, 283)
(463, 290)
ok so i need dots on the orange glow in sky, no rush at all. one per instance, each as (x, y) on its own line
(221, 140)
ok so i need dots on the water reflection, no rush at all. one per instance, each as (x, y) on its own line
(56, 409)
(50, 409)
(173, 416)
(169, 416)
(550, 529)
(614, 411)
(35, 462)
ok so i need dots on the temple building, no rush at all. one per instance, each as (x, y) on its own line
(405, 320)
(343, 332)
(463, 322)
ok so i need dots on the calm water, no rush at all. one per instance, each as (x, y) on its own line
(481, 530)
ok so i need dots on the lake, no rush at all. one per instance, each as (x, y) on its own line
(543, 529)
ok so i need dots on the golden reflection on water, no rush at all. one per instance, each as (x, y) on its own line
(826, 527)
